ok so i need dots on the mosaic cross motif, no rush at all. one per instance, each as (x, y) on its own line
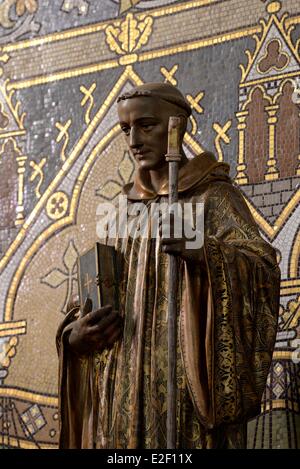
(67, 276)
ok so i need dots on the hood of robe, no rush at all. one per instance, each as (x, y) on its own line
(204, 168)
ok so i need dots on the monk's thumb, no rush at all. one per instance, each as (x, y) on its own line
(87, 308)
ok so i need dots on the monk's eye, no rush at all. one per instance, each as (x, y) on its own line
(147, 127)
(126, 130)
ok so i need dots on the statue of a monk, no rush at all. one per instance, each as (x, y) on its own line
(113, 365)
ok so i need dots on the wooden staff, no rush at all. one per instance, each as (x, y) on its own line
(173, 157)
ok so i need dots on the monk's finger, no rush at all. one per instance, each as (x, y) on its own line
(96, 316)
(104, 322)
(110, 329)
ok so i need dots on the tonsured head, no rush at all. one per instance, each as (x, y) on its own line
(144, 116)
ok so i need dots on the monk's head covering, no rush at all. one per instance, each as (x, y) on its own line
(163, 91)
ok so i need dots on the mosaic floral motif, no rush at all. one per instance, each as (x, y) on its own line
(290, 316)
(13, 105)
(82, 6)
(130, 36)
(26, 5)
(21, 7)
(17, 19)
(112, 188)
(5, 20)
(58, 277)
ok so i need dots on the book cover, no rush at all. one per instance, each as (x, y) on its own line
(99, 274)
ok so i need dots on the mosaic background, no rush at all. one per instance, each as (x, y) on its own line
(62, 65)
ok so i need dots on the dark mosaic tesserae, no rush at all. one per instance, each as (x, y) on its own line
(63, 63)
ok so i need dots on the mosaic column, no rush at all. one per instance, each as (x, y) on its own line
(241, 177)
(272, 171)
(20, 202)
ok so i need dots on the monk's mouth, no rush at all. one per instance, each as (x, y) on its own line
(141, 156)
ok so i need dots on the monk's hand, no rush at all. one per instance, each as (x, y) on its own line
(95, 330)
(177, 246)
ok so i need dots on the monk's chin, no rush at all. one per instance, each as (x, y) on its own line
(149, 165)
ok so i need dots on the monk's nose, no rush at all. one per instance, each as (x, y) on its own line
(134, 140)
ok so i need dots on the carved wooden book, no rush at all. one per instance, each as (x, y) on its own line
(99, 274)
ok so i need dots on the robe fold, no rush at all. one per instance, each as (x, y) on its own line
(227, 318)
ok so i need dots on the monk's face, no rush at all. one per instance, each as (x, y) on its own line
(144, 122)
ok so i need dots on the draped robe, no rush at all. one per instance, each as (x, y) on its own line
(227, 318)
